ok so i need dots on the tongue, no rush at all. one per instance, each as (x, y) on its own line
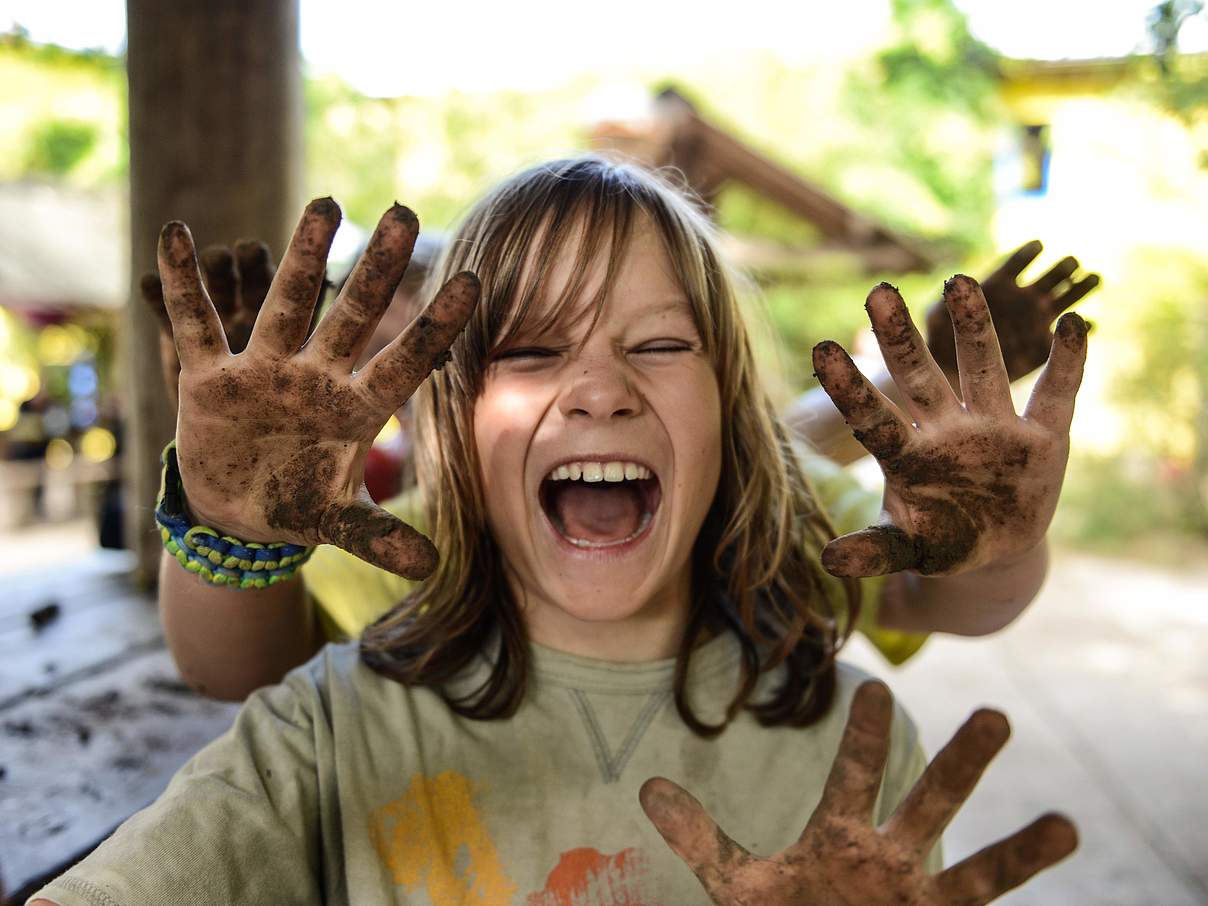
(598, 512)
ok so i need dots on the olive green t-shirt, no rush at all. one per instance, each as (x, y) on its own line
(340, 786)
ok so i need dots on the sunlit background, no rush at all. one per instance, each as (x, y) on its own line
(971, 126)
(964, 126)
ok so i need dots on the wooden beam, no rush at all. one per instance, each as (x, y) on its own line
(719, 154)
(215, 141)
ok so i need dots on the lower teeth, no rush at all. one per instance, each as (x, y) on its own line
(581, 542)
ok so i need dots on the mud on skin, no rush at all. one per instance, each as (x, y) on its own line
(176, 251)
(954, 498)
(841, 857)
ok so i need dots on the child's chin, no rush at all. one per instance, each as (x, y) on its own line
(619, 602)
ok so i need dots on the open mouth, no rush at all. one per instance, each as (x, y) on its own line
(598, 504)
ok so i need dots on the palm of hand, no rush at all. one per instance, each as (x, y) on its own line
(971, 492)
(272, 442)
(1022, 313)
(272, 446)
(841, 858)
(967, 483)
(836, 862)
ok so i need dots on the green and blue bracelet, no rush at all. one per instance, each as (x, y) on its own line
(219, 559)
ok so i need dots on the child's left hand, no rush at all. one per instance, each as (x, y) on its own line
(841, 858)
(966, 484)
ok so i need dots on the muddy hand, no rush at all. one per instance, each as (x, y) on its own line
(237, 281)
(841, 858)
(966, 484)
(1022, 315)
(272, 442)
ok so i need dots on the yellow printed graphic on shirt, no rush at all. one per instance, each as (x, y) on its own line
(433, 837)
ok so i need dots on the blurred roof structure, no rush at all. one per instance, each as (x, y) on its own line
(709, 157)
(61, 248)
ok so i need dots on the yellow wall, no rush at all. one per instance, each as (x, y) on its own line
(1126, 189)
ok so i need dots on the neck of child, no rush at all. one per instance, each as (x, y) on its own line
(651, 632)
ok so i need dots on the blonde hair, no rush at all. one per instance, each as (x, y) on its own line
(755, 566)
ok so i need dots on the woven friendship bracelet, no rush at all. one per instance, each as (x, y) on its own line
(219, 559)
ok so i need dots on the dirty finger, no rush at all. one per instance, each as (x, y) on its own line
(947, 782)
(377, 536)
(875, 421)
(1052, 401)
(855, 777)
(392, 375)
(985, 387)
(1003, 866)
(196, 328)
(926, 390)
(367, 293)
(689, 830)
(875, 551)
(284, 319)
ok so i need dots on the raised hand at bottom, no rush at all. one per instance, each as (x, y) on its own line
(841, 858)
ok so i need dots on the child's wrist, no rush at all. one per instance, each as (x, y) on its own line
(215, 556)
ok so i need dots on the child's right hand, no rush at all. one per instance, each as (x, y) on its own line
(272, 442)
(842, 857)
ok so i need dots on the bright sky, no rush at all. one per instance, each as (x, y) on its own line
(427, 48)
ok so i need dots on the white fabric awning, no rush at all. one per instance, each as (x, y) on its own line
(62, 248)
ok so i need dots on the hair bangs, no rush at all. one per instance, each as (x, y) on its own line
(528, 289)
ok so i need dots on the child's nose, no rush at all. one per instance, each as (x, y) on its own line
(600, 389)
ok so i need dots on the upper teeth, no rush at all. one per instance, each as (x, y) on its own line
(600, 471)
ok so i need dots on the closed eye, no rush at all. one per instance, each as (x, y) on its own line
(664, 347)
(525, 352)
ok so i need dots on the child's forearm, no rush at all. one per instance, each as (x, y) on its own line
(227, 642)
(977, 602)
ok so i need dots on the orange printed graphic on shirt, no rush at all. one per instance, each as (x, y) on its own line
(434, 836)
(587, 877)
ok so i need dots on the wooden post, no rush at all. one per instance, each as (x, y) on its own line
(215, 141)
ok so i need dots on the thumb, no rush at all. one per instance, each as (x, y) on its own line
(376, 536)
(874, 551)
(686, 826)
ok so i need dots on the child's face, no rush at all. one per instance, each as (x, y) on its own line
(603, 567)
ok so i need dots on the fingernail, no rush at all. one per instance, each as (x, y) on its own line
(177, 243)
(1072, 327)
(324, 207)
(884, 295)
(404, 215)
(175, 229)
(471, 278)
(825, 350)
(960, 286)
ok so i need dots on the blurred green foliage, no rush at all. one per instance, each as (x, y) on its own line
(56, 146)
(905, 134)
(64, 114)
(930, 102)
(1151, 499)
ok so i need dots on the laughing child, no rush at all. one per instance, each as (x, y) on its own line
(630, 581)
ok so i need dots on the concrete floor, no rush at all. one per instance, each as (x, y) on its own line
(1105, 679)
